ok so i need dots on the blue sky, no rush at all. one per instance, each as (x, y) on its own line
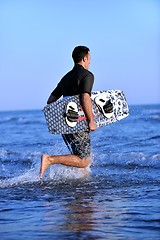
(38, 36)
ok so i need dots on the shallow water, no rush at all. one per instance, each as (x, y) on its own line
(119, 199)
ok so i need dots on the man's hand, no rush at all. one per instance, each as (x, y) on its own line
(92, 126)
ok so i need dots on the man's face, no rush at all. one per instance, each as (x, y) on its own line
(87, 61)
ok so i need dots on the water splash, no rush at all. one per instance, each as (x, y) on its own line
(57, 174)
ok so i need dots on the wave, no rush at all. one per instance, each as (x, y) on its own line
(152, 114)
(147, 113)
(56, 174)
(14, 172)
(129, 159)
(21, 120)
(154, 118)
(151, 111)
(137, 158)
(157, 137)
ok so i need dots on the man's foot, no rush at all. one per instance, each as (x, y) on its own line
(44, 164)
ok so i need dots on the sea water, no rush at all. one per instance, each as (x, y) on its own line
(119, 199)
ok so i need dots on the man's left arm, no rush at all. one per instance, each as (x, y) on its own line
(55, 95)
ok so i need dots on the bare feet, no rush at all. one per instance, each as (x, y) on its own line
(44, 164)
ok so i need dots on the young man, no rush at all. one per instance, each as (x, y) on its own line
(78, 81)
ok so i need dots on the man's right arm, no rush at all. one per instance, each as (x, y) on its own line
(86, 88)
(87, 107)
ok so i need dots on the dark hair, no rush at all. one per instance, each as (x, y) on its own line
(79, 53)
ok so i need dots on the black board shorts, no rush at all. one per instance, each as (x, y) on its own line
(78, 143)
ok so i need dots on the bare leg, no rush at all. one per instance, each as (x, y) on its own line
(67, 160)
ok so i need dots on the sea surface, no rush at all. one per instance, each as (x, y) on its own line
(119, 199)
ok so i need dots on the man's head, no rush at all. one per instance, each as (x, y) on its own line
(81, 55)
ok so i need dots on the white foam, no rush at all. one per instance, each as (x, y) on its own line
(55, 172)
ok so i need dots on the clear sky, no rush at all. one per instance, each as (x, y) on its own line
(38, 36)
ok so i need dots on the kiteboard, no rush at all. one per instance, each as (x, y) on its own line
(67, 116)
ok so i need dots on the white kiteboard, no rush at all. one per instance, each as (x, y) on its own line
(66, 115)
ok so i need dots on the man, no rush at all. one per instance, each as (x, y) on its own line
(78, 81)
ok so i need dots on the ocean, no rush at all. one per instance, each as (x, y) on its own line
(119, 199)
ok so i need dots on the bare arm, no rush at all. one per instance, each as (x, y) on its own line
(87, 107)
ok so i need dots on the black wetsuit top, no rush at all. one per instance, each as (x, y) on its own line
(77, 81)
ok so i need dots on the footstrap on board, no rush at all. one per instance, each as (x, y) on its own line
(71, 114)
(105, 105)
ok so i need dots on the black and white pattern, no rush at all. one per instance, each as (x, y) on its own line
(55, 112)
